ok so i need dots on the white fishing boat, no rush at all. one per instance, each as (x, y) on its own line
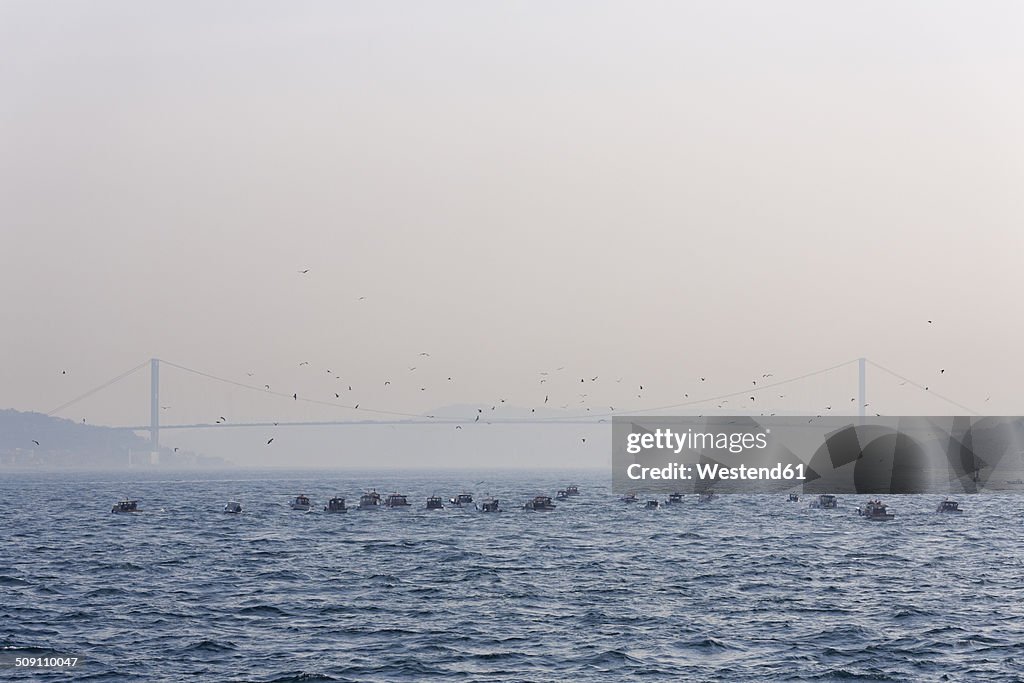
(301, 503)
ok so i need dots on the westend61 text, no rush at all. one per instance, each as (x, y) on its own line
(716, 472)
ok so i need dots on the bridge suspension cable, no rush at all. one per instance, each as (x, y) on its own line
(265, 391)
(700, 401)
(922, 388)
(97, 389)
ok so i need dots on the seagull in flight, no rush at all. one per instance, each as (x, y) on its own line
(303, 272)
(35, 442)
(270, 441)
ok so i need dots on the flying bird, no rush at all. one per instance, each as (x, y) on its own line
(295, 396)
(303, 272)
(458, 426)
(424, 353)
(545, 399)
(337, 395)
(35, 442)
(175, 449)
(270, 441)
(942, 371)
(305, 362)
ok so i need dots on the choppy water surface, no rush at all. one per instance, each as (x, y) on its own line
(744, 588)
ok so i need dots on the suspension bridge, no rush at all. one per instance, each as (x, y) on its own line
(390, 417)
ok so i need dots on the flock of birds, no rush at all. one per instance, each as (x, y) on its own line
(721, 403)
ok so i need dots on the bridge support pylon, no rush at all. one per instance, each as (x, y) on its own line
(154, 405)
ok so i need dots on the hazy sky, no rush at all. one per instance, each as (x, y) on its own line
(648, 191)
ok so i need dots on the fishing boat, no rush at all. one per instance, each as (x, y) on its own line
(652, 505)
(126, 506)
(629, 498)
(461, 500)
(824, 501)
(875, 510)
(435, 503)
(336, 504)
(948, 506)
(572, 490)
(562, 495)
(301, 503)
(396, 500)
(794, 498)
(233, 507)
(369, 500)
(674, 499)
(488, 505)
(539, 503)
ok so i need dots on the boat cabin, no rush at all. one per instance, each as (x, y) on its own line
(628, 498)
(369, 500)
(948, 506)
(126, 506)
(435, 503)
(562, 494)
(396, 500)
(540, 503)
(233, 507)
(875, 510)
(652, 505)
(336, 504)
(301, 503)
(489, 505)
(462, 500)
(572, 490)
(825, 501)
(674, 499)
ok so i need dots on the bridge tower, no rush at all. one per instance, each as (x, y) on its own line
(154, 405)
(861, 386)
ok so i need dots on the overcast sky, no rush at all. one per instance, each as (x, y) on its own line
(638, 190)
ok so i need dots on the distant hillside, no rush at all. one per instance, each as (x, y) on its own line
(37, 440)
(18, 430)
